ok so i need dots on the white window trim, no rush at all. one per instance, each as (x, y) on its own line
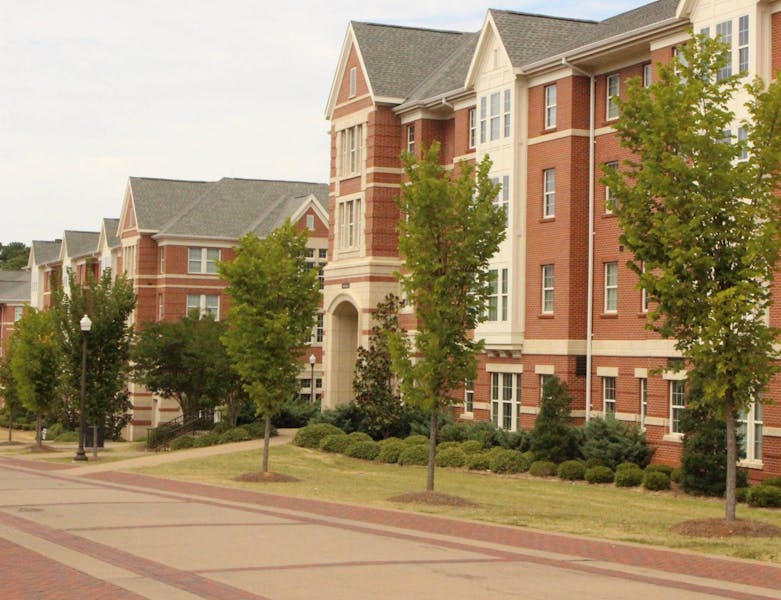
(613, 164)
(500, 401)
(647, 75)
(611, 106)
(548, 193)
(353, 82)
(643, 393)
(548, 289)
(724, 31)
(611, 286)
(411, 138)
(551, 100)
(749, 423)
(203, 307)
(609, 394)
(203, 261)
(469, 396)
(744, 45)
(673, 424)
(472, 127)
(349, 224)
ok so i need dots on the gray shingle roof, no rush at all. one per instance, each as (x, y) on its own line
(640, 17)
(157, 201)
(231, 207)
(399, 59)
(14, 286)
(110, 226)
(46, 252)
(80, 243)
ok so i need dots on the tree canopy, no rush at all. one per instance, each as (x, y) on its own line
(699, 212)
(449, 230)
(274, 302)
(13, 256)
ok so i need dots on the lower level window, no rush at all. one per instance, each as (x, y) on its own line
(609, 396)
(506, 400)
(677, 404)
(750, 430)
(469, 395)
(205, 304)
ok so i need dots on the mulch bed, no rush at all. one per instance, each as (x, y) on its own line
(720, 528)
(432, 498)
(42, 448)
(267, 477)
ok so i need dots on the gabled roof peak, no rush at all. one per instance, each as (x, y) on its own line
(542, 16)
(407, 27)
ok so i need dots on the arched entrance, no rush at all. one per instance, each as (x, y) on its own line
(342, 350)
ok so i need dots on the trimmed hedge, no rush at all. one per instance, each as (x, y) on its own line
(629, 477)
(774, 481)
(741, 494)
(767, 496)
(414, 454)
(366, 450)
(628, 465)
(390, 440)
(311, 435)
(666, 469)
(359, 436)
(572, 470)
(677, 475)
(416, 439)
(478, 461)
(390, 451)
(594, 462)
(450, 457)
(336, 442)
(543, 468)
(599, 474)
(237, 434)
(471, 446)
(656, 480)
(182, 442)
(207, 439)
(257, 430)
(503, 460)
(445, 445)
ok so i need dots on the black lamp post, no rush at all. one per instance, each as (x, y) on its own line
(85, 324)
(312, 361)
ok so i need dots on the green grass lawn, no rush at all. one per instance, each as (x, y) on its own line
(600, 511)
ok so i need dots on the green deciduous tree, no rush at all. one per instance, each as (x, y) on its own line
(375, 389)
(12, 403)
(109, 305)
(699, 214)
(35, 363)
(186, 360)
(449, 230)
(275, 300)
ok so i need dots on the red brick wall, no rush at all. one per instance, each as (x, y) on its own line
(572, 106)
(361, 88)
(775, 41)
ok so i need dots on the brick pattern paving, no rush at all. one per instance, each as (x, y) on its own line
(26, 575)
(723, 569)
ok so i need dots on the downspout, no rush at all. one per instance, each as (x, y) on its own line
(591, 232)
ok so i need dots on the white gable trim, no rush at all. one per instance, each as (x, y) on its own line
(488, 25)
(128, 199)
(310, 201)
(349, 42)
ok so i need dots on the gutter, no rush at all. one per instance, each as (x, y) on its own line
(591, 232)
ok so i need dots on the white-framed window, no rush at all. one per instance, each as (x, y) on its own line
(613, 85)
(550, 106)
(506, 400)
(483, 119)
(647, 75)
(750, 424)
(610, 197)
(547, 289)
(743, 37)
(18, 313)
(205, 304)
(353, 84)
(543, 380)
(162, 259)
(349, 223)
(498, 296)
(469, 396)
(507, 112)
(129, 260)
(742, 140)
(411, 138)
(351, 144)
(549, 193)
(724, 32)
(310, 222)
(317, 331)
(643, 392)
(677, 404)
(609, 396)
(611, 287)
(496, 115)
(472, 127)
(202, 260)
(502, 199)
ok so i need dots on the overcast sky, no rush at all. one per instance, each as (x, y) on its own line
(92, 92)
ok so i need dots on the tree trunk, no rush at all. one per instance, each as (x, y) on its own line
(95, 440)
(732, 458)
(266, 442)
(432, 450)
(38, 433)
(10, 426)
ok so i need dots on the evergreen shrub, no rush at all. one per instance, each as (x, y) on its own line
(572, 470)
(629, 477)
(504, 460)
(478, 461)
(66, 437)
(766, 496)
(450, 457)
(311, 435)
(628, 465)
(677, 475)
(414, 454)
(656, 480)
(336, 442)
(182, 442)
(553, 437)
(415, 439)
(542, 468)
(207, 439)
(741, 494)
(471, 446)
(237, 434)
(774, 481)
(366, 450)
(445, 445)
(615, 442)
(666, 469)
(390, 451)
(599, 474)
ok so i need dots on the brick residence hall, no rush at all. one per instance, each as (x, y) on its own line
(536, 93)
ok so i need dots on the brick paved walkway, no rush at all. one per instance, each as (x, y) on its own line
(394, 545)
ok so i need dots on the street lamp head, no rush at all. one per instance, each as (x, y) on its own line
(312, 359)
(85, 324)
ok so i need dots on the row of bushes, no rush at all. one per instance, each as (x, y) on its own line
(221, 435)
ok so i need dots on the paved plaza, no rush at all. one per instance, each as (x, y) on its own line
(95, 531)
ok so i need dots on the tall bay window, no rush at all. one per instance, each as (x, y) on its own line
(505, 400)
